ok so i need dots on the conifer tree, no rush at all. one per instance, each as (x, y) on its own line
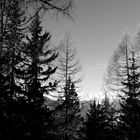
(130, 103)
(11, 35)
(68, 69)
(68, 127)
(101, 121)
(72, 116)
(124, 74)
(68, 75)
(34, 73)
(38, 65)
(111, 119)
(95, 124)
(22, 114)
(69, 64)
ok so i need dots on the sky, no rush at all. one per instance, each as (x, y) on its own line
(95, 31)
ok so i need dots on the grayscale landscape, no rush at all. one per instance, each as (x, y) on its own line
(70, 69)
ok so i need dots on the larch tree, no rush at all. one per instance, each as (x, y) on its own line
(68, 65)
(118, 70)
(68, 75)
(123, 74)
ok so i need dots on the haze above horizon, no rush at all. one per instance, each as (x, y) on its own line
(96, 31)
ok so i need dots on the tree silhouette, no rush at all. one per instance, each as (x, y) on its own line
(94, 127)
(67, 119)
(34, 72)
(25, 70)
(68, 75)
(11, 34)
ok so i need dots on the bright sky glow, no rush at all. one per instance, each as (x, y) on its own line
(96, 32)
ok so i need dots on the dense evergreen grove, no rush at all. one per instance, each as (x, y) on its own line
(27, 65)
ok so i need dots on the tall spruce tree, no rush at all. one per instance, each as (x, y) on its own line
(111, 119)
(101, 121)
(95, 124)
(38, 66)
(34, 73)
(71, 112)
